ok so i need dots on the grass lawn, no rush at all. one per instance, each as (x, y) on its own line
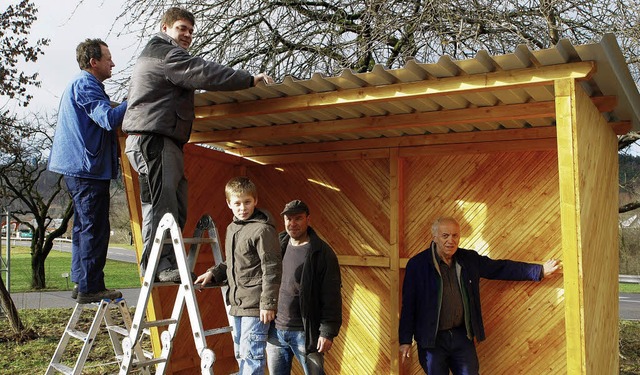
(33, 356)
(629, 288)
(118, 275)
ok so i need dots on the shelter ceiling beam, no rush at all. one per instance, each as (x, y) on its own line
(412, 120)
(404, 141)
(441, 149)
(545, 75)
(451, 149)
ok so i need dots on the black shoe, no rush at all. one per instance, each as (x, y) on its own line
(108, 294)
(74, 292)
(171, 275)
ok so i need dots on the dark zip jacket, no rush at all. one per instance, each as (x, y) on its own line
(163, 82)
(320, 297)
(422, 291)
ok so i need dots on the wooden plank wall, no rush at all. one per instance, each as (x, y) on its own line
(207, 172)
(349, 204)
(507, 204)
(589, 171)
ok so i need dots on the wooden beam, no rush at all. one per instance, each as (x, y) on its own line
(396, 240)
(412, 120)
(405, 141)
(621, 128)
(482, 148)
(403, 91)
(363, 261)
(132, 192)
(448, 149)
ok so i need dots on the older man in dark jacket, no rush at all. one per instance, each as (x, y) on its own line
(159, 120)
(441, 300)
(309, 305)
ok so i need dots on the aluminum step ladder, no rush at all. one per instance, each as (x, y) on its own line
(185, 296)
(116, 329)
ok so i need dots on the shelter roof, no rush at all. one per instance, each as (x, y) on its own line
(498, 94)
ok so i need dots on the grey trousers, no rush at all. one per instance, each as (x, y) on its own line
(163, 188)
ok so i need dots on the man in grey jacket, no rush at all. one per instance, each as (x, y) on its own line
(159, 119)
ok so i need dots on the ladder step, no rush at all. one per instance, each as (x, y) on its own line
(160, 323)
(147, 354)
(77, 334)
(150, 362)
(62, 368)
(119, 330)
(218, 331)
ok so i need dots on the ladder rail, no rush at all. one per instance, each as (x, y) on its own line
(64, 340)
(137, 326)
(103, 314)
(185, 295)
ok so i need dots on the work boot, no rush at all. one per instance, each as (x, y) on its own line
(74, 292)
(108, 294)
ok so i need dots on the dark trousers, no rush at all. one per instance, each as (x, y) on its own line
(91, 231)
(453, 351)
(163, 188)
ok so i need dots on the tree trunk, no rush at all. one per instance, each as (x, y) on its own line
(38, 280)
(10, 309)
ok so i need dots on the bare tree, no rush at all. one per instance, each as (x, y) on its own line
(15, 25)
(35, 194)
(299, 38)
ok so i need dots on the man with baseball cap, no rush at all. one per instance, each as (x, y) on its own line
(310, 304)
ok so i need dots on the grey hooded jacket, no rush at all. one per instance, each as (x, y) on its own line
(253, 265)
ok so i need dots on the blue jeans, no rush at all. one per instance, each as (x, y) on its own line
(282, 346)
(454, 351)
(90, 233)
(249, 343)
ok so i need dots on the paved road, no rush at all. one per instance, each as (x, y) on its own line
(114, 252)
(629, 306)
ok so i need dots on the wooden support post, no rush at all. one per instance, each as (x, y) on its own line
(588, 172)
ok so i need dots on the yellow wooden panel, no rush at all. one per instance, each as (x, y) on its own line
(348, 200)
(363, 346)
(507, 204)
(588, 164)
(396, 175)
(290, 152)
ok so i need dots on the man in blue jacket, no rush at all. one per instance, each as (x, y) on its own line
(85, 151)
(159, 120)
(441, 300)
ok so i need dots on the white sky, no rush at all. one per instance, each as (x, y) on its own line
(65, 27)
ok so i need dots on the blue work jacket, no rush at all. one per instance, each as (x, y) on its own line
(85, 142)
(422, 291)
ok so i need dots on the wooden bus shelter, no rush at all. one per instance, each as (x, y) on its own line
(521, 148)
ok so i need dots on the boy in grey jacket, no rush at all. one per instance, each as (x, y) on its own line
(253, 274)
